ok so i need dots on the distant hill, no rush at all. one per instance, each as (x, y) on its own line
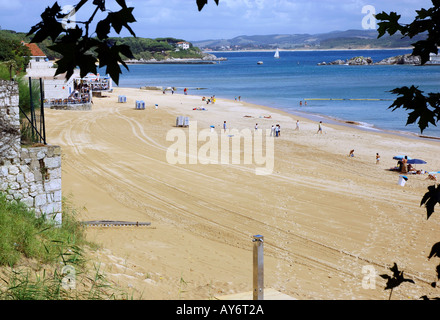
(349, 39)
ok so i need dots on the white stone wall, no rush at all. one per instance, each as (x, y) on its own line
(30, 175)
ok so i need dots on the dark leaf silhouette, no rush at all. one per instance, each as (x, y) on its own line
(396, 279)
(426, 298)
(424, 108)
(430, 199)
(76, 46)
(419, 106)
(435, 251)
(201, 3)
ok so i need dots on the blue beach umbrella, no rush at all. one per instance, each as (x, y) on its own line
(416, 161)
(400, 157)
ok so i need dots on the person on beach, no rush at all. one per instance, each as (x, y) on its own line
(224, 126)
(351, 154)
(272, 131)
(277, 130)
(319, 127)
(185, 91)
(377, 158)
(403, 167)
(297, 125)
(256, 126)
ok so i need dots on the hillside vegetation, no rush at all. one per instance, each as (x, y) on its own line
(142, 48)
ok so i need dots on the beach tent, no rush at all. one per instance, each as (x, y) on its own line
(140, 104)
(179, 121)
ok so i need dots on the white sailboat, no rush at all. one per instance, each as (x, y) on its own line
(277, 54)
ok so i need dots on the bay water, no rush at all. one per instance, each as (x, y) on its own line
(333, 92)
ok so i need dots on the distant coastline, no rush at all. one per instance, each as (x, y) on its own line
(311, 50)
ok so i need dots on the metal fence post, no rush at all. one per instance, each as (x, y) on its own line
(258, 268)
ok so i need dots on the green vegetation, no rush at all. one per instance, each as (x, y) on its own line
(26, 236)
(36, 257)
(159, 48)
(13, 55)
(142, 48)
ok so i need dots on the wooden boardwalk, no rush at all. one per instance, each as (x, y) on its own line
(113, 223)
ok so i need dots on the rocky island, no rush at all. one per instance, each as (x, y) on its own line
(407, 59)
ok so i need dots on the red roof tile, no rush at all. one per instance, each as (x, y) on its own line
(35, 50)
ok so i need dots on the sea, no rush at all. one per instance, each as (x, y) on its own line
(295, 83)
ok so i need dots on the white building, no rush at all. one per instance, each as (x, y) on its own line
(183, 45)
(38, 59)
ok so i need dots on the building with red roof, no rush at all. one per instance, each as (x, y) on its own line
(36, 53)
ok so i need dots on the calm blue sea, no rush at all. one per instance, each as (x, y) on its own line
(282, 83)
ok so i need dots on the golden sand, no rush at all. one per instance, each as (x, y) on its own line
(328, 220)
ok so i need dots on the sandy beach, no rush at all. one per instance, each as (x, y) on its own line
(328, 220)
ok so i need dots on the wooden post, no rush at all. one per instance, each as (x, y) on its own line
(258, 269)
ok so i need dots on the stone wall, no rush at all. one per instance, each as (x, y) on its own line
(28, 174)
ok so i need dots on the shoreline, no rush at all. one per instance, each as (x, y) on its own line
(332, 120)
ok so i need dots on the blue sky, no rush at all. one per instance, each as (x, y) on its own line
(231, 18)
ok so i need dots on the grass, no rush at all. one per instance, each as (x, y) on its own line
(42, 261)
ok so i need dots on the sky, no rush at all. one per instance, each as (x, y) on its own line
(231, 18)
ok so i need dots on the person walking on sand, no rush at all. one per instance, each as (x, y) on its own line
(377, 158)
(297, 125)
(256, 126)
(224, 126)
(319, 127)
(272, 131)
